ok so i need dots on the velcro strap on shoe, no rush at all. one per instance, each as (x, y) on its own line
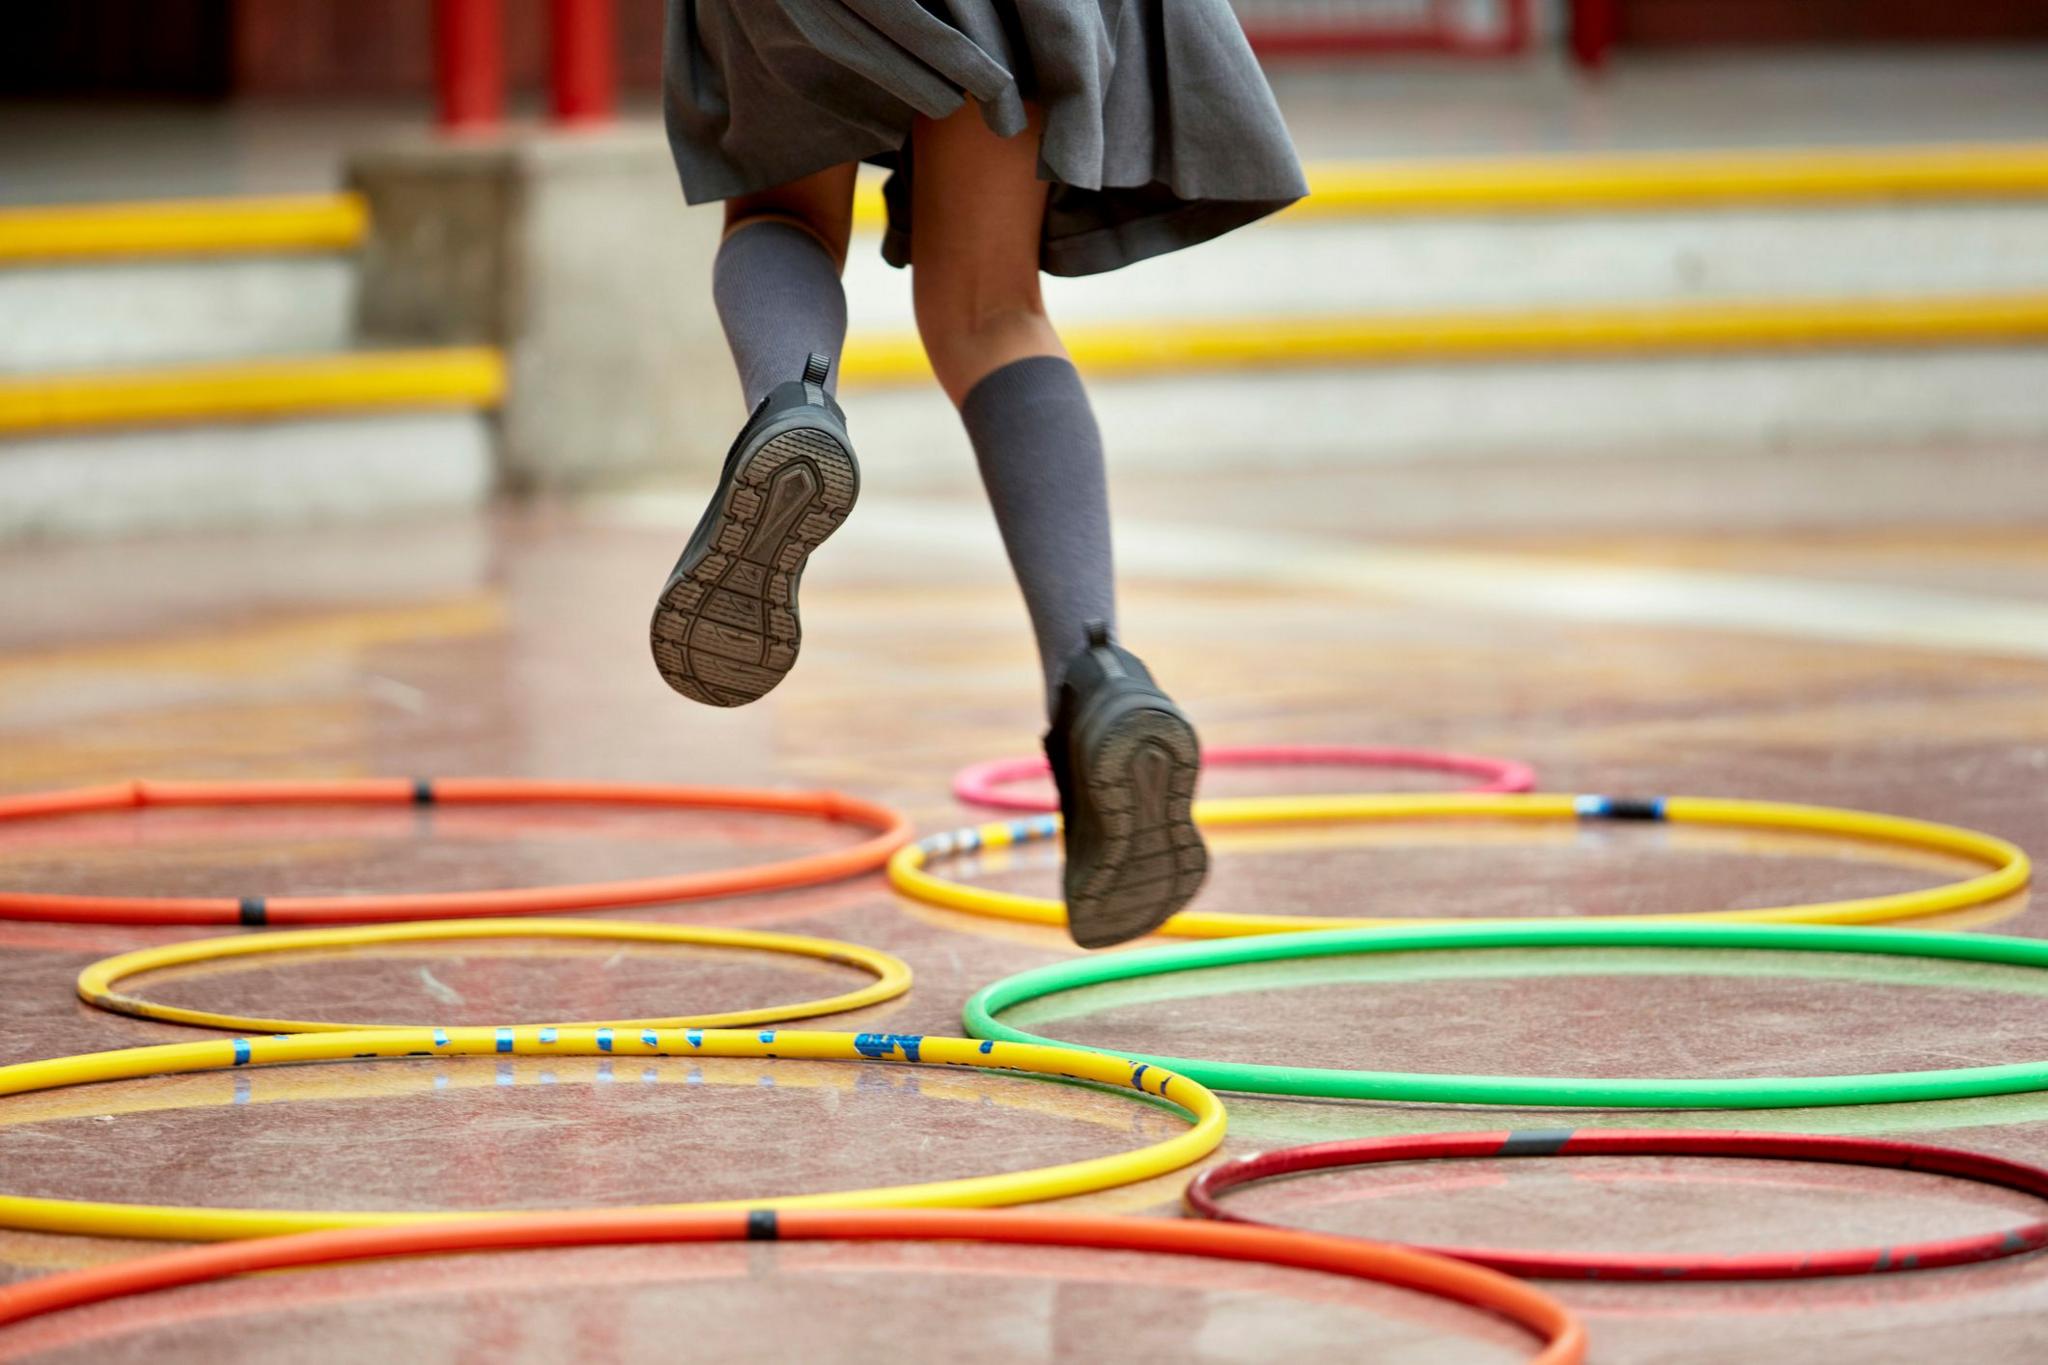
(816, 368)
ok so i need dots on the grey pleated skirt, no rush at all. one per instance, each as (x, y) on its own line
(1160, 131)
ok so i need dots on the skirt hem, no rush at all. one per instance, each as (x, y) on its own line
(1159, 129)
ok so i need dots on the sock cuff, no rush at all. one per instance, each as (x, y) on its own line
(1025, 380)
(760, 222)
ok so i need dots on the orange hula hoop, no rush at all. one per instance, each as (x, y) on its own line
(1563, 1336)
(891, 829)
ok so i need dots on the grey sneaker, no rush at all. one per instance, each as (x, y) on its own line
(725, 631)
(1126, 760)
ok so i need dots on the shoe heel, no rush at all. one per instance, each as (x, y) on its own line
(1144, 761)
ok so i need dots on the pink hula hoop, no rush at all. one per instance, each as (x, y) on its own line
(982, 784)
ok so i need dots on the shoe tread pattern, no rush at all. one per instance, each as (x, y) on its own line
(1149, 859)
(726, 630)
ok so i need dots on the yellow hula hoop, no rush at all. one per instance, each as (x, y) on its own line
(2008, 866)
(177, 1223)
(96, 984)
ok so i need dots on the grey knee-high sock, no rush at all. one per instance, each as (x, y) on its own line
(779, 299)
(1040, 454)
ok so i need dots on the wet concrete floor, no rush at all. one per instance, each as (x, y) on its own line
(514, 644)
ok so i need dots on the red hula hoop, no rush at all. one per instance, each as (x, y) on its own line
(1203, 1197)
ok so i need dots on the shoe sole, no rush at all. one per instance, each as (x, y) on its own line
(726, 629)
(1141, 858)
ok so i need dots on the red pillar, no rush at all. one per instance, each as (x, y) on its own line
(583, 59)
(469, 62)
(1593, 24)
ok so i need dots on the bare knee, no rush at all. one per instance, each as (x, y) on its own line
(969, 332)
(820, 205)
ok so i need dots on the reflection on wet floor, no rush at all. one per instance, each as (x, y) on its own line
(1477, 869)
(1706, 1207)
(823, 1302)
(494, 981)
(337, 850)
(523, 1132)
(516, 646)
(1593, 1012)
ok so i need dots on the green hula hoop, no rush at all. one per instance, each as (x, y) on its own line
(1562, 1092)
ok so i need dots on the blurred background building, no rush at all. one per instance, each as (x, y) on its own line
(1728, 262)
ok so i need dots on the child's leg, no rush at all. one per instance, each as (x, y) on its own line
(977, 212)
(776, 280)
(725, 628)
(1123, 755)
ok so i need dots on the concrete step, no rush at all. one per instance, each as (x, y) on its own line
(78, 316)
(1172, 347)
(149, 283)
(293, 471)
(359, 435)
(1327, 266)
(1654, 300)
(1542, 412)
(1689, 305)
(1540, 232)
(1662, 180)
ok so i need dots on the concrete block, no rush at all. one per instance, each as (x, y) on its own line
(576, 254)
